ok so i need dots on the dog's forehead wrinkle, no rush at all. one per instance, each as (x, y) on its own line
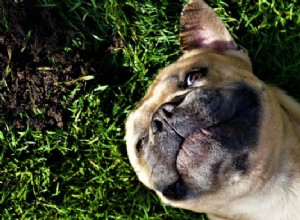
(202, 57)
(174, 78)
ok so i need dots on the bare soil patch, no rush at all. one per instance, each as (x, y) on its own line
(35, 66)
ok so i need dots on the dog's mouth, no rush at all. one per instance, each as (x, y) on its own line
(204, 151)
(195, 140)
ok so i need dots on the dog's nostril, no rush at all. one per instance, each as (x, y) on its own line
(167, 113)
(157, 126)
(167, 110)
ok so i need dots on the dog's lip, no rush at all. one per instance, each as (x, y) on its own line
(204, 135)
(209, 132)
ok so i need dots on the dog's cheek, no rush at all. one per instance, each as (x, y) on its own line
(196, 161)
(160, 155)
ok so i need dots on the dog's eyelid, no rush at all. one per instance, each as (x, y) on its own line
(140, 144)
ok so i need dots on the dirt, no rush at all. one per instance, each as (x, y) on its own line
(35, 66)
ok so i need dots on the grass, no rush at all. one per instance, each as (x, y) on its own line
(81, 171)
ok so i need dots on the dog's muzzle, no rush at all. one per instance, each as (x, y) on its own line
(196, 132)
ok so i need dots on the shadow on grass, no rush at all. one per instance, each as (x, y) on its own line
(271, 35)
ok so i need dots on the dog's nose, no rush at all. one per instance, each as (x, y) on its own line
(164, 113)
(161, 116)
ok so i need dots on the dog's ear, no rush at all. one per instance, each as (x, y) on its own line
(202, 28)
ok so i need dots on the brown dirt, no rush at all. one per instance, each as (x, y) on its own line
(34, 66)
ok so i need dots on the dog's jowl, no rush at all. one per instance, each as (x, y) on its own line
(209, 136)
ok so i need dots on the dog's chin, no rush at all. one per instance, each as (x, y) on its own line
(195, 163)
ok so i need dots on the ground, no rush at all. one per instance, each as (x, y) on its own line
(37, 65)
(71, 71)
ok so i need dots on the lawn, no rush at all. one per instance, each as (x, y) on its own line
(71, 71)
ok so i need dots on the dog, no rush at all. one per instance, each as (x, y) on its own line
(209, 136)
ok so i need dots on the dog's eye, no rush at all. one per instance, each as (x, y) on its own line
(140, 145)
(194, 75)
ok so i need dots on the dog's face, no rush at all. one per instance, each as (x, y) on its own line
(202, 133)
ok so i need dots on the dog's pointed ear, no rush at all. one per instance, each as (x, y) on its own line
(202, 28)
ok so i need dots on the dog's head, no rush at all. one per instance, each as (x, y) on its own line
(202, 133)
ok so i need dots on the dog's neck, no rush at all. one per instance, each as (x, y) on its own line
(291, 114)
(279, 198)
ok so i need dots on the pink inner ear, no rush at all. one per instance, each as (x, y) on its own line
(202, 28)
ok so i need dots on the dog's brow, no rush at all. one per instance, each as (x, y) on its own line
(175, 77)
